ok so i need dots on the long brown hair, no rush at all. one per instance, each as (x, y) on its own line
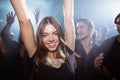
(41, 49)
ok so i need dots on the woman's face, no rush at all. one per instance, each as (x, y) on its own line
(50, 38)
(83, 30)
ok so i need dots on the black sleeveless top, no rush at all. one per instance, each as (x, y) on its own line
(49, 73)
(65, 72)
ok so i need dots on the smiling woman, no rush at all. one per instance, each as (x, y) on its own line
(52, 58)
(50, 38)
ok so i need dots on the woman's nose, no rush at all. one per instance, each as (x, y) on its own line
(51, 38)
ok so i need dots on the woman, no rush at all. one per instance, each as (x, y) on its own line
(52, 58)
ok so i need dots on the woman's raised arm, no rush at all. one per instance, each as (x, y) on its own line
(26, 27)
(68, 7)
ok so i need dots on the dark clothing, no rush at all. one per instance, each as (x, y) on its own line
(14, 65)
(23, 67)
(2, 67)
(45, 72)
(111, 50)
(85, 64)
(10, 57)
(12, 46)
(50, 73)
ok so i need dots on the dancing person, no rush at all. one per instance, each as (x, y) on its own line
(51, 52)
(108, 62)
(86, 48)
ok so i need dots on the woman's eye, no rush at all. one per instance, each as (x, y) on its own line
(55, 33)
(44, 35)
